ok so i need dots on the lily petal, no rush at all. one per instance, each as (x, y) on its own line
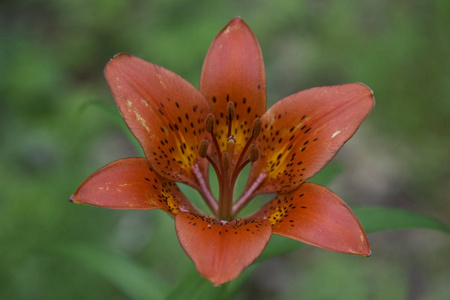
(164, 112)
(315, 215)
(303, 132)
(130, 183)
(233, 70)
(221, 250)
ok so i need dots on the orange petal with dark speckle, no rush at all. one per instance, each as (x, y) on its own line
(234, 71)
(221, 250)
(303, 132)
(130, 183)
(315, 215)
(164, 112)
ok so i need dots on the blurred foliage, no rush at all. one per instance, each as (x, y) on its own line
(52, 54)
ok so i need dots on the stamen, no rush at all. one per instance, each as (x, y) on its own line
(257, 124)
(231, 111)
(247, 195)
(203, 148)
(226, 168)
(210, 120)
(205, 191)
(254, 153)
(210, 123)
(203, 153)
(252, 157)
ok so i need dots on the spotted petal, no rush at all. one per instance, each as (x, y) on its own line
(130, 183)
(234, 71)
(303, 132)
(164, 112)
(221, 250)
(315, 215)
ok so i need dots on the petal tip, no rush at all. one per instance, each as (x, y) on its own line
(116, 58)
(235, 23)
(370, 92)
(119, 55)
(73, 200)
(366, 86)
(236, 19)
(368, 251)
(364, 253)
(365, 247)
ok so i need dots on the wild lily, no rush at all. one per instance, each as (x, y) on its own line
(225, 125)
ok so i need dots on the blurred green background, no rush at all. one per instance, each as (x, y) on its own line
(52, 54)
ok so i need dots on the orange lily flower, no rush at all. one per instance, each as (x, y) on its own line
(225, 124)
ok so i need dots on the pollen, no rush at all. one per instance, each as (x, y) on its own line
(203, 148)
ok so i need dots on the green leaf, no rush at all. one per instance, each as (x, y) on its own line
(376, 219)
(133, 280)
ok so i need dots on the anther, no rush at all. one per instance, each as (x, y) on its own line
(231, 111)
(203, 148)
(257, 124)
(210, 123)
(253, 153)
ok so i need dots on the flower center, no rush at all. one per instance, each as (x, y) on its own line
(224, 162)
